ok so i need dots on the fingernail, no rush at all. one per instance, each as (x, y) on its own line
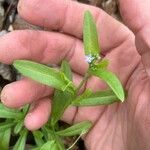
(3, 96)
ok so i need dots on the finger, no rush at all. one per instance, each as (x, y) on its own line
(137, 17)
(45, 104)
(69, 114)
(26, 91)
(38, 115)
(42, 47)
(60, 15)
(18, 45)
(52, 47)
(135, 13)
(23, 92)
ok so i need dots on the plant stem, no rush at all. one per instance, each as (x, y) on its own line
(82, 82)
(75, 142)
(58, 141)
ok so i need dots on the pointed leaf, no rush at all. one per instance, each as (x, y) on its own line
(5, 139)
(43, 74)
(112, 80)
(9, 113)
(26, 109)
(20, 145)
(38, 137)
(37, 148)
(90, 38)
(65, 67)
(50, 145)
(18, 127)
(61, 99)
(93, 99)
(6, 125)
(76, 129)
(53, 136)
(60, 102)
(103, 64)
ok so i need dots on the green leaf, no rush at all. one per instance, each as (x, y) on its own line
(9, 113)
(93, 99)
(60, 102)
(103, 64)
(65, 67)
(6, 125)
(90, 38)
(53, 136)
(18, 127)
(38, 137)
(44, 74)
(37, 148)
(5, 139)
(20, 145)
(26, 109)
(61, 99)
(76, 129)
(112, 80)
(51, 145)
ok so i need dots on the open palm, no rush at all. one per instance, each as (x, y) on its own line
(116, 127)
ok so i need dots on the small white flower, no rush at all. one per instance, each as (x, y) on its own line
(89, 58)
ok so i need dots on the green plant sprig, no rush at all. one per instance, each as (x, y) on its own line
(65, 95)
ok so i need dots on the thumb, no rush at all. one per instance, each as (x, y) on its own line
(136, 15)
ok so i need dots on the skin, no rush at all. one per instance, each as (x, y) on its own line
(123, 126)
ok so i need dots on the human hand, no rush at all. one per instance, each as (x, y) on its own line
(118, 126)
